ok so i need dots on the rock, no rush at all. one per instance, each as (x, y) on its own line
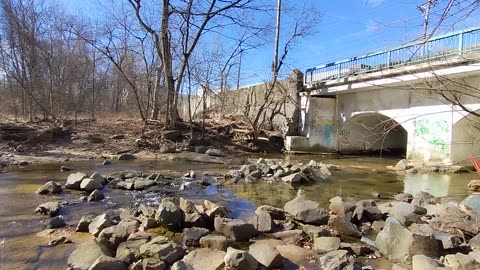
(306, 211)
(407, 213)
(423, 198)
(472, 203)
(56, 222)
(65, 169)
(240, 260)
(398, 267)
(315, 231)
(422, 262)
(262, 221)
(192, 217)
(141, 184)
(97, 177)
(90, 185)
(474, 185)
(326, 244)
(169, 215)
(288, 234)
(86, 254)
(117, 137)
(106, 162)
(235, 229)
(167, 149)
(153, 264)
(266, 254)
(74, 180)
(378, 225)
(112, 236)
(460, 261)
(59, 241)
(129, 251)
(275, 213)
(126, 156)
(205, 259)
(99, 223)
(343, 226)
(201, 149)
(170, 135)
(163, 249)
(108, 263)
(293, 178)
(214, 210)
(402, 165)
(84, 223)
(140, 236)
(49, 208)
(295, 254)
(214, 242)
(367, 210)
(95, 196)
(475, 255)
(474, 243)
(180, 265)
(404, 197)
(449, 241)
(49, 188)
(337, 260)
(191, 236)
(214, 152)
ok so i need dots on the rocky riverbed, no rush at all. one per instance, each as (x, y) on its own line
(163, 228)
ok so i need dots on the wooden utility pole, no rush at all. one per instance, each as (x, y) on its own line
(277, 38)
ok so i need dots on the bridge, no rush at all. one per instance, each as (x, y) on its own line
(418, 100)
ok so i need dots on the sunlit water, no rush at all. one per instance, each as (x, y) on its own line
(22, 248)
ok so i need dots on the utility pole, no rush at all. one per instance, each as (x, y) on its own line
(425, 8)
(277, 38)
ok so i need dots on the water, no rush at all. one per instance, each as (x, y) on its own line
(23, 240)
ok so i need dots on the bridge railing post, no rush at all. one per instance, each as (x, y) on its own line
(460, 43)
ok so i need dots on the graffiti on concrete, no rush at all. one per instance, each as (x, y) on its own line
(434, 131)
(342, 137)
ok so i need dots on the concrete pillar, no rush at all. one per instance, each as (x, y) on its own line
(295, 86)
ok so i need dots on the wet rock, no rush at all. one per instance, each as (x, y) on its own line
(306, 211)
(205, 258)
(65, 169)
(106, 162)
(343, 226)
(326, 244)
(214, 152)
(266, 254)
(214, 242)
(56, 222)
(239, 259)
(235, 229)
(163, 249)
(129, 251)
(191, 236)
(49, 188)
(99, 223)
(262, 221)
(472, 203)
(169, 215)
(49, 208)
(474, 185)
(126, 156)
(108, 263)
(422, 262)
(74, 180)
(59, 241)
(95, 196)
(84, 223)
(337, 260)
(86, 254)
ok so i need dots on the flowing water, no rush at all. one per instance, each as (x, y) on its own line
(23, 240)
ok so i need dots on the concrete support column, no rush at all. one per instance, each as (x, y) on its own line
(295, 86)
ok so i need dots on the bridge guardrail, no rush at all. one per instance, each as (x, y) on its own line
(436, 48)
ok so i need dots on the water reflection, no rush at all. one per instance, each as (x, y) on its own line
(436, 184)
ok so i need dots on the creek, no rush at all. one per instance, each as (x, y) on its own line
(23, 242)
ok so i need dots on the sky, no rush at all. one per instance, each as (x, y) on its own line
(347, 28)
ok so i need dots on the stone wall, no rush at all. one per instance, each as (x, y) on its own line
(282, 103)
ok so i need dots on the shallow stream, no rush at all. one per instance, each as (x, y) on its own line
(23, 242)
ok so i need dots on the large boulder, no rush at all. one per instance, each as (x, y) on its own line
(343, 226)
(163, 249)
(112, 236)
(205, 259)
(49, 188)
(239, 259)
(95, 196)
(129, 251)
(49, 208)
(191, 236)
(97, 177)
(192, 217)
(99, 223)
(367, 210)
(56, 222)
(422, 262)
(85, 222)
(262, 221)
(326, 244)
(472, 203)
(407, 213)
(108, 263)
(266, 254)
(337, 260)
(448, 241)
(74, 180)
(235, 229)
(214, 242)
(169, 215)
(90, 185)
(86, 254)
(275, 213)
(306, 211)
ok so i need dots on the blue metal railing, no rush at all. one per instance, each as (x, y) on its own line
(436, 48)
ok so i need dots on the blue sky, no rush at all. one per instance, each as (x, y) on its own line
(347, 28)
